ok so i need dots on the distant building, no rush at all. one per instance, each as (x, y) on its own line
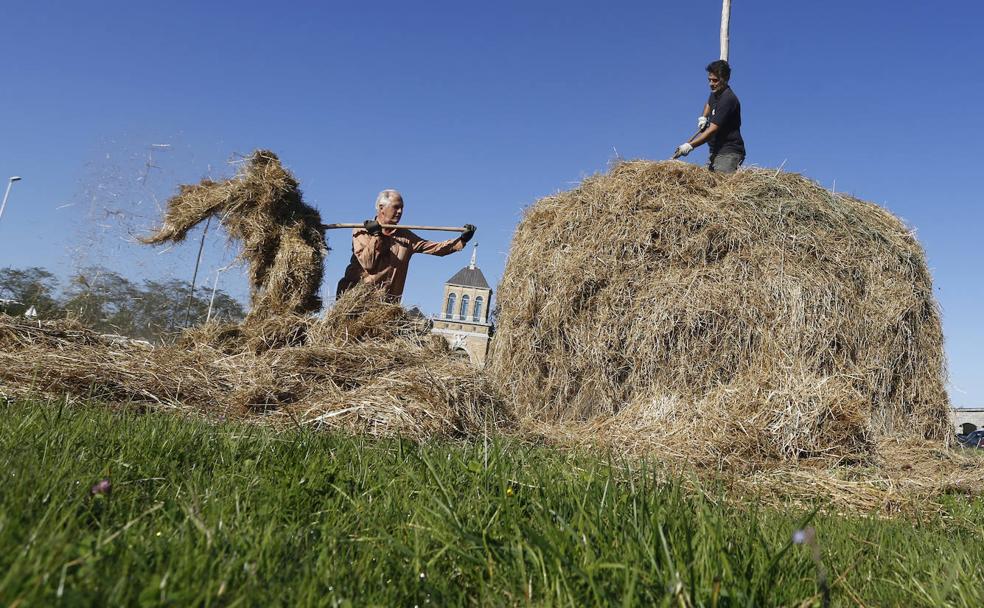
(966, 417)
(464, 317)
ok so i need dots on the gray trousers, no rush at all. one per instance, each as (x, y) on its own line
(725, 163)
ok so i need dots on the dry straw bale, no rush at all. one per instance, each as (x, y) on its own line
(754, 315)
(281, 236)
(366, 367)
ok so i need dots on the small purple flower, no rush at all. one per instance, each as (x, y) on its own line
(102, 487)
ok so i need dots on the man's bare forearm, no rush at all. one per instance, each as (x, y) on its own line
(704, 136)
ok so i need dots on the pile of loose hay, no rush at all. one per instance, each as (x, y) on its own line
(905, 476)
(366, 367)
(721, 318)
(281, 236)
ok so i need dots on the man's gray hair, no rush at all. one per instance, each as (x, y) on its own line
(386, 197)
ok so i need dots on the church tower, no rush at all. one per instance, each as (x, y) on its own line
(464, 317)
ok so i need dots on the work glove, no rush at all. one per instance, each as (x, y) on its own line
(683, 150)
(373, 227)
(701, 123)
(468, 233)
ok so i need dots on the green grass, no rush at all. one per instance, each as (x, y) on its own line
(230, 515)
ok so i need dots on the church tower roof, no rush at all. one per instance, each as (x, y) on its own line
(471, 275)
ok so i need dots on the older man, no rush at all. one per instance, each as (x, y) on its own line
(381, 256)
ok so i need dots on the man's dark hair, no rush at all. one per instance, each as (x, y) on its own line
(720, 68)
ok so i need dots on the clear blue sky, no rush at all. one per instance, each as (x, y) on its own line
(476, 110)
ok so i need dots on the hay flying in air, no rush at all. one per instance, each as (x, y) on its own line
(281, 236)
(366, 367)
(748, 316)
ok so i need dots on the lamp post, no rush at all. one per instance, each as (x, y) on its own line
(10, 183)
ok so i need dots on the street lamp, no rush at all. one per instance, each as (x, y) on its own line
(10, 183)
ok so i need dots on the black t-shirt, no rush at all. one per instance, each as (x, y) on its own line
(726, 114)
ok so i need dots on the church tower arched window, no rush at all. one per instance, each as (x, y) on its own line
(464, 307)
(449, 311)
(477, 311)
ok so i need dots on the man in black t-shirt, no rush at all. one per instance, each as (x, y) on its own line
(720, 123)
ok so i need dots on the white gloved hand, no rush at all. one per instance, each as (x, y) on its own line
(701, 123)
(683, 150)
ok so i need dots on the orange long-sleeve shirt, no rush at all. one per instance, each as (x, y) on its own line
(383, 260)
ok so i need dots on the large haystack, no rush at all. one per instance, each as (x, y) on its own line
(366, 367)
(751, 315)
(281, 236)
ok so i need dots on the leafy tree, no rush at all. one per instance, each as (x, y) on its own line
(111, 303)
(160, 308)
(165, 307)
(154, 310)
(103, 300)
(225, 307)
(28, 287)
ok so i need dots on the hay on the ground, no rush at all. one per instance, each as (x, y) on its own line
(720, 317)
(281, 236)
(910, 477)
(367, 367)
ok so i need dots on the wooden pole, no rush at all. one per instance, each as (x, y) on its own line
(389, 226)
(725, 25)
(194, 276)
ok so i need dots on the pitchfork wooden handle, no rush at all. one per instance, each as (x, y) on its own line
(389, 226)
